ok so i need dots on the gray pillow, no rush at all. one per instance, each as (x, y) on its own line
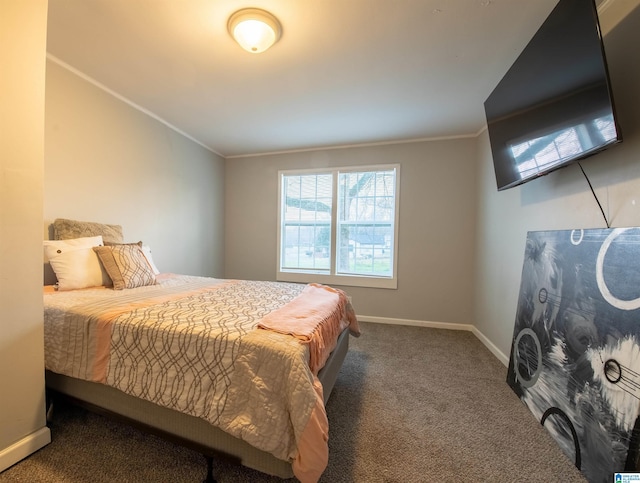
(64, 229)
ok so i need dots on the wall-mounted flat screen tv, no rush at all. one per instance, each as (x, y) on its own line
(554, 106)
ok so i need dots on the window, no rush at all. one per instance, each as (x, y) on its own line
(339, 226)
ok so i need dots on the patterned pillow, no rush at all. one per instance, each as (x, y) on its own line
(126, 265)
(146, 250)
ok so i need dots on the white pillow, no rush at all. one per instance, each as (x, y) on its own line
(75, 263)
(146, 250)
(52, 246)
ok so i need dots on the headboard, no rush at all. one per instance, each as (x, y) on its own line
(64, 229)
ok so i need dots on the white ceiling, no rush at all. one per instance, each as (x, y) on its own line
(345, 72)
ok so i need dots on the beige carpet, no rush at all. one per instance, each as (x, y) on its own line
(410, 405)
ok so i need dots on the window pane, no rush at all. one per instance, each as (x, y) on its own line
(365, 249)
(306, 222)
(365, 237)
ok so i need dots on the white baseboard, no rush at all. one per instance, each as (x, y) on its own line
(502, 357)
(23, 448)
(418, 323)
(440, 325)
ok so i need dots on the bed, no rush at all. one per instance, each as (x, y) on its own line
(234, 368)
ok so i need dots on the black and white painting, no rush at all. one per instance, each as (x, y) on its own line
(575, 355)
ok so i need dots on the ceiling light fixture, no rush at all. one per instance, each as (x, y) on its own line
(254, 29)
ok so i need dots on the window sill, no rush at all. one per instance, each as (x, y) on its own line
(345, 280)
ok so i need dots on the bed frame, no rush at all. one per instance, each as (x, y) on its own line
(186, 430)
(189, 431)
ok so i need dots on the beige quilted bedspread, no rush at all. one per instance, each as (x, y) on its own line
(192, 344)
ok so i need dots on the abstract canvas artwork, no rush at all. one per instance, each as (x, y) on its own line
(575, 355)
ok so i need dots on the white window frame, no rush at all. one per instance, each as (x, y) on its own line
(333, 278)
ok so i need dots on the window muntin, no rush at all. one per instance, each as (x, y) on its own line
(339, 226)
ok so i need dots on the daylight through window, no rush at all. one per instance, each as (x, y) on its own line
(339, 226)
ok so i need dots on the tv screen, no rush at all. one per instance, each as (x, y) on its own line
(554, 105)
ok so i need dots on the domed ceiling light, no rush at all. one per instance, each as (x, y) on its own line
(254, 29)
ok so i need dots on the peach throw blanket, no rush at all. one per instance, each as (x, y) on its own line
(315, 317)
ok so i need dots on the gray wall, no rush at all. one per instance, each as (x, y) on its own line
(437, 224)
(108, 162)
(560, 200)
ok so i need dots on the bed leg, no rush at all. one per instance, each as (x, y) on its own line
(209, 478)
(49, 407)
